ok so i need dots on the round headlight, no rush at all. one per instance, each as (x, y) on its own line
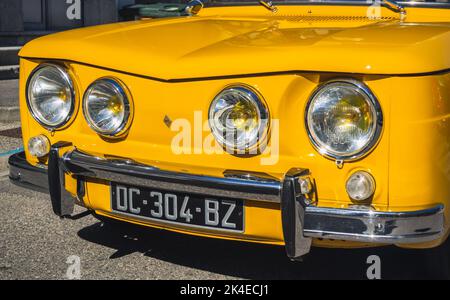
(344, 119)
(239, 119)
(50, 95)
(107, 107)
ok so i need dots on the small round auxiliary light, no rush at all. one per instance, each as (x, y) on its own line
(39, 146)
(360, 186)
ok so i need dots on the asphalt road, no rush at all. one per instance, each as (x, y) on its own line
(9, 89)
(35, 244)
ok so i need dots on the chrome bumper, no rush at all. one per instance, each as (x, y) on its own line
(256, 188)
(23, 174)
(301, 222)
(375, 226)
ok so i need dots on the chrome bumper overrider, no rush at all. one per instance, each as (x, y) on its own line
(301, 222)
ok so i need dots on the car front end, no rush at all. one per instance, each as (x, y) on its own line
(309, 126)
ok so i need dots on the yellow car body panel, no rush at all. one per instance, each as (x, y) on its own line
(211, 44)
(175, 67)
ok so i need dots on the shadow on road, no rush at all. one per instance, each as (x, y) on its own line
(254, 261)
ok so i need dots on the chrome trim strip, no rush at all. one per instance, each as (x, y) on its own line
(127, 172)
(373, 226)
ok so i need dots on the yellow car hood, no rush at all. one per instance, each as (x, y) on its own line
(214, 45)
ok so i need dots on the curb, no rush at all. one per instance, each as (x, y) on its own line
(3, 165)
(9, 114)
(3, 175)
(4, 168)
(9, 55)
(9, 72)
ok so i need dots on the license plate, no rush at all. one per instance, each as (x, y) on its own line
(178, 208)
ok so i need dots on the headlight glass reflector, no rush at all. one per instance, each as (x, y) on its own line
(344, 119)
(239, 119)
(50, 96)
(107, 107)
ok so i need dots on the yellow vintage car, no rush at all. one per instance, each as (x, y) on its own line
(290, 123)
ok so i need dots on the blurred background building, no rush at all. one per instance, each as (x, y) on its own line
(24, 20)
(21, 20)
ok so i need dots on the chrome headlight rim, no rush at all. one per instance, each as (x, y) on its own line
(377, 114)
(129, 108)
(263, 110)
(64, 71)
